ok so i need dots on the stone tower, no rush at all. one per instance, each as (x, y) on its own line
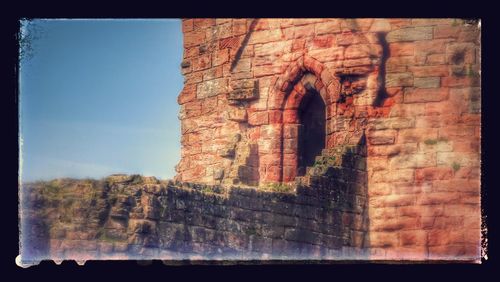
(394, 105)
(265, 98)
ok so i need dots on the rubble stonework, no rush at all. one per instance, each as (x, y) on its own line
(134, 217)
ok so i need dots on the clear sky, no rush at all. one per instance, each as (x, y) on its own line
(100, 97)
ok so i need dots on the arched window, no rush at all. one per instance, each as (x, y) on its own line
(312, 130)
(304, 96)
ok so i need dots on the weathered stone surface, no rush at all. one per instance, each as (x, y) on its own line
(242, 83)
(426, 82)
(410, 34)
(212, 88)
(265, 36)
(328, 27)
(425, 95)
(393, 123)
(399, 79)
(238, 114)
(384, 137)
(244, 94)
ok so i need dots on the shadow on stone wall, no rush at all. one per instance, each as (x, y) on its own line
(386, 53)
(248, 174)
(244, 43)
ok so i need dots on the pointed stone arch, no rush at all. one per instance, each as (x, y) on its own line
(326, 83)
(304, 76)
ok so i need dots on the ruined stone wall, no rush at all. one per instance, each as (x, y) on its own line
(411, 87)
(133, 217)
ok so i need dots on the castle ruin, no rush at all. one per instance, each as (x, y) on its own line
(306, 138)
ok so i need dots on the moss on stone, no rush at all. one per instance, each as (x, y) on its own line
(435, 141)
(102, 235)
(280, 188)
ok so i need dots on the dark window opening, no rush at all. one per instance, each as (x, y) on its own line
(312, 130)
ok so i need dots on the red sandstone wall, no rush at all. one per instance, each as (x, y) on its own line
(418, 105)
(424, 157)
(248, 77)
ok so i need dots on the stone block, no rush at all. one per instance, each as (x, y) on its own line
(383, 239)
(231, 42)
(327, 27)
(461, 159)
(239, 26)
(273, 231)
(258, 118)
(400, 49)
(393, 123)
(413, 238)
(320, 42)
(414, 135)
(187, 25)
(397, 175)
(218, 173)
(265, 36)
(328, 54)
(202, 62)
(245, 94)
(399, 79)
(381, 137)
(362, 51)
(429, 71)
(426, 95)
(237, 114)
(266, 70)
(303, 31)
(242, 83)
(212, 88)
(202, 23)
(433, 173)
(445, 237)
(273, 48)
(260, 244)
(193, 38)
(426, 82)
(410, 34)
(187, 94)
(438, 198)
(302, 235)
(242, 65)
(395, 224)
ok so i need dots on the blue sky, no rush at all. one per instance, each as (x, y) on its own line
(100, 97)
